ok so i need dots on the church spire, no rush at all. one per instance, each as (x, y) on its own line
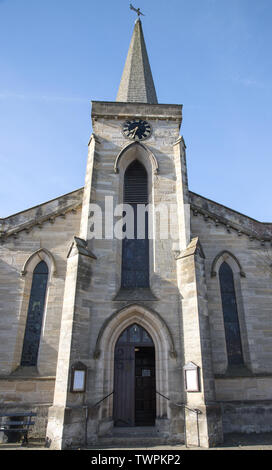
(137, 82)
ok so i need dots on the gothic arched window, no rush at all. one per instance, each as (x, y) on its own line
(135, 252)
(35, 315)
(230, 314)
(135, 334)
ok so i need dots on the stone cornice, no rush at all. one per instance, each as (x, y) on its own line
(123, 111)
(18, 378)
(9, 229)
(230, 219)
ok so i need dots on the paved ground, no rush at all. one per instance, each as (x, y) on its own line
(232, 442)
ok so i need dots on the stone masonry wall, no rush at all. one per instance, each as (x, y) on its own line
(21, 387)
(250, 388)
(253, 292)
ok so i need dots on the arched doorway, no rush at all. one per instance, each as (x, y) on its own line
(134, 378)
(104, 352)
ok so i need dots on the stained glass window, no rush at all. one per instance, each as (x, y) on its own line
(35, 315)
(230, 313)
(135, 254)
(135, 334)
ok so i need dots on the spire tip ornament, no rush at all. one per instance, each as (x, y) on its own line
(138, 11)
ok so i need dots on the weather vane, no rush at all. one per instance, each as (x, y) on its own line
(137, 10)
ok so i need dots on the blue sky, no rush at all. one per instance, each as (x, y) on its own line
(212, 56)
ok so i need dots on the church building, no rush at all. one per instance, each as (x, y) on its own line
(133, 310)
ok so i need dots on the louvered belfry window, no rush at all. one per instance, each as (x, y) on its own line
(230, 314)
(35, 315)
(135, 252)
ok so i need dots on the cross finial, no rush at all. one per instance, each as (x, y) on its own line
(138, 11)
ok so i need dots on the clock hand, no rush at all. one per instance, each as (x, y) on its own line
(135, 130)
(132, 131)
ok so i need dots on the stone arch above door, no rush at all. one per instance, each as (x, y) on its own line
(105, 347)
(147, 318)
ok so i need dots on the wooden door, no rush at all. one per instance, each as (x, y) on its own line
(124, 372)
(145, 387)
(134, 379)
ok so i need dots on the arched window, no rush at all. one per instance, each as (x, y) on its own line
(135, 252)
(35, 315)
(135, 334)
(230, 313)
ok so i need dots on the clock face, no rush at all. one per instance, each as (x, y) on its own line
(137, 129)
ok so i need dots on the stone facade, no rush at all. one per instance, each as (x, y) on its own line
(97, 293)
(244, 397)
(87, 309)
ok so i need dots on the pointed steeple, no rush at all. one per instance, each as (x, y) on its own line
(137, 82)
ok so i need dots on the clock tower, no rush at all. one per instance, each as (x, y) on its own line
(135, 309)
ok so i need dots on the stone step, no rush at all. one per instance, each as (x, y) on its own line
(135, 437)
(139, 431)
(131, 441)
